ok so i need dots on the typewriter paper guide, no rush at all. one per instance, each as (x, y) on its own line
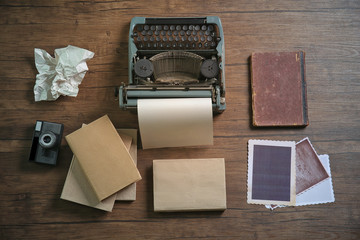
(175, 122)
(103, 157)
(189, 184)
(271, 172)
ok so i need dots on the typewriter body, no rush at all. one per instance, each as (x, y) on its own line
(175, 58)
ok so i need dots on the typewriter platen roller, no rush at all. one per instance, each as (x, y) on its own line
(175, 58)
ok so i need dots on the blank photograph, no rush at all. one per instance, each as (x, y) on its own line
(271, 172)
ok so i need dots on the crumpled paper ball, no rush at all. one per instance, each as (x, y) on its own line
(60, 75)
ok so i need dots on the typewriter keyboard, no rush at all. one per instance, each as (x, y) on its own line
(163, 37)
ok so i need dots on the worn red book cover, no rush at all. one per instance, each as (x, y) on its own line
(279, 89)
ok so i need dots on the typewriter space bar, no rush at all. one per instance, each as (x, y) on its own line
(175, 20)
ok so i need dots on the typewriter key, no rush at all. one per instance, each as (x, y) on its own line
(209, 68)
(202, 38)
(203, 27)
(145, 39)
(158, 39)
(183, 38)
(172, 27)
(209, 38)
(191, 27)
(178, 27)
(207, 33)
(184, 28)
(175, 33)
(213, 44)
(157, 33)
(171, 38)
(193, 45)
(139, 28)
(146, 27)
(143, 33)
(164, 39)
(152, 39)
(169, 33)
(163, 33)
(206, 44)
(166, 27)
(200, 45)
(190, 39)
(177, 38)
(152, 27)
(150, 33)
(144, 68)
(158, 27)
(196, 38)
(197, 27)
(182, 33)
(210, 28)
(188, 32)
(194, 33)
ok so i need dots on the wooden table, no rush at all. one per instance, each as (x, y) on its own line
(30, 204)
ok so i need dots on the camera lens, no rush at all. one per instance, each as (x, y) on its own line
(47, 140)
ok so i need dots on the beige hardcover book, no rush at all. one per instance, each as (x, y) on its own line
(77, 188)
(129, 193)
(189, 184)
(103, 158)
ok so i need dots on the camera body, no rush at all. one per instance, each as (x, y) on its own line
(46, 142)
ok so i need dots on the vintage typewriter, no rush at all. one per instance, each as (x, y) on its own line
(175, 58)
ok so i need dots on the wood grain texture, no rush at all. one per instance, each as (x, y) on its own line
(30, 204)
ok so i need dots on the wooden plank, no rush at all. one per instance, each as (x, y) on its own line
(30, 204)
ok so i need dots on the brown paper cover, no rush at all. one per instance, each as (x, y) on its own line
(189, 184)
(103, 157)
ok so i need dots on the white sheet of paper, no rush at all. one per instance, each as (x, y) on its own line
(322, 192)
(61, 75)
(175, 122)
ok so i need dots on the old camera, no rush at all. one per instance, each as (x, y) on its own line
(46, 142)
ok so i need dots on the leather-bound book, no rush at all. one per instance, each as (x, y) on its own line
(279, 89)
